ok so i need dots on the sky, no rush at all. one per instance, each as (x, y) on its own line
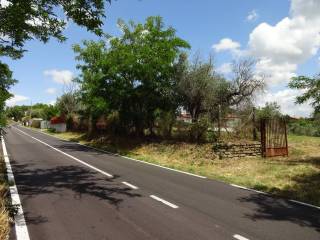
(282, 35)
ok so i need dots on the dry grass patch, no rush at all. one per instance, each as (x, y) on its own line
(296, 176)
(4, 216)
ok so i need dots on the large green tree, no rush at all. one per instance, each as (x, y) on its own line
(6, 81)
(135, 74)
(310, 90)
(23, 20)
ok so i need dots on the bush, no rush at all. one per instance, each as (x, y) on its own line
(51, 130)
(199, 129)
(307, 127)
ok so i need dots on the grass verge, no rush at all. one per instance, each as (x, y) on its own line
(4, 215)
(296, 177)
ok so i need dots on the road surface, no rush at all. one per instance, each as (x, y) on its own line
(69, 191)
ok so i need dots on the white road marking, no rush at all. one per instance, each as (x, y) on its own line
(68, 155)
(129, 158)
(19, 220)
(130, 185)
(239, 237)
(164, 201)
(249, 189)
(305, 204)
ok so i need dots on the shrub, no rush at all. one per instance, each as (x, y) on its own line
(199, 129)
(51, 130)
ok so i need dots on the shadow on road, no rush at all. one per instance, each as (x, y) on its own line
(276, 209)
(33, 182)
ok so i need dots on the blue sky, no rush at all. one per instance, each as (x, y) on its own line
(203, 24)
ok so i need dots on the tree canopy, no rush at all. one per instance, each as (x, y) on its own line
(24, 20)
(311, 90)
(133, 74)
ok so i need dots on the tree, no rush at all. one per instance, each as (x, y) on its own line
(23, 20)
(134, 75)
(205, 92)
(199, 86)
(311, 90)
(270, 110)
(6, 81)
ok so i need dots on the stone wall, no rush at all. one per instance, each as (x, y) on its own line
(237, 150)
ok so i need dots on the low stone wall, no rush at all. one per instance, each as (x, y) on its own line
(237, 150)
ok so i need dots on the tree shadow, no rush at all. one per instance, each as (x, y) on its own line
(35, 181)
(276, 209)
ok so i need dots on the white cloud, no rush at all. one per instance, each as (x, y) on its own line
(290, 42)
(53, 102)
(60, 76)
(226, 44)
(51, 90)
(16, 99)
(286, 99)
(252, 16)
(4, 3)
(225, 68)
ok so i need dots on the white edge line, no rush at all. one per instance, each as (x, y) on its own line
(264, 193)
(129, 158)
(19, 220)
(305, 204)
(130, 185)
(68, 155)
(164, 201)
(239, 237)
(248, 189)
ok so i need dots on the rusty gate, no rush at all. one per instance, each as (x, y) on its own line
(274, 140)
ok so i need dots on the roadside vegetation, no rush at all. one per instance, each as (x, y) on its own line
(4, 214)
(295, 177)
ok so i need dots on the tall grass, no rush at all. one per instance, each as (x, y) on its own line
(4, 215)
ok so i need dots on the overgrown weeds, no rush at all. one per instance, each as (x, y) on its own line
(4, 214)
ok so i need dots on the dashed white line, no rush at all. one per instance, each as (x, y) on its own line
(164, 201)
(130, 185)
(68, 155)
(239, 237)
(19, 220)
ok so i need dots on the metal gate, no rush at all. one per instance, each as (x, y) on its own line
(274, 140)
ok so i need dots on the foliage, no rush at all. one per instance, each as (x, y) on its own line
(68, 104)
(6, 81)
(200, 87)
(306, 127)
(311, 87)
(135, 67)
(270, 110)
(205, 92)
(199, 129)
(24, 20)
(38, 110)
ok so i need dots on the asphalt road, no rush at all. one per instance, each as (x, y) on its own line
(69, 191)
